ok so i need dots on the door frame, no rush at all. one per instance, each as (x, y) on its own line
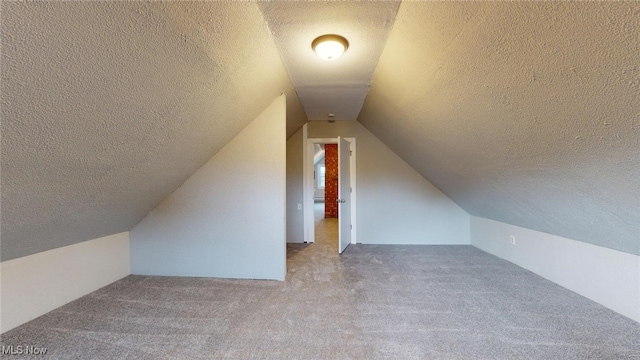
(307, 201)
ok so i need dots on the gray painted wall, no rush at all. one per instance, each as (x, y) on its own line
(606, 276)
(295, 230)
(228, 219)
(395, 204)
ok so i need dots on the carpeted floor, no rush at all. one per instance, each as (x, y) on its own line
(373, 302)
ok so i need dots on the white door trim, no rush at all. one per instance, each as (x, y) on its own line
(307, 201)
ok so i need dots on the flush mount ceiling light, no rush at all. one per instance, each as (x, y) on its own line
(330, 47)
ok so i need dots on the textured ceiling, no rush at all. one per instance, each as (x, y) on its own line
(523, 112)
(107, 107)
(339, 86)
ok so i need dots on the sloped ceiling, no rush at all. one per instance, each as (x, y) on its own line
(522, 112)
(107, 107)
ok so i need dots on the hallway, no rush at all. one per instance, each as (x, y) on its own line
(326, 229)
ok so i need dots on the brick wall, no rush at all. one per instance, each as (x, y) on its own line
(331, 180)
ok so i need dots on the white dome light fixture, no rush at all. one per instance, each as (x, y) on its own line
(330, 46)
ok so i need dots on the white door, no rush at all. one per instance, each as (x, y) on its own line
(344, 194)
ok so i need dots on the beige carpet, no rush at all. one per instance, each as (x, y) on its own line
(373, 302)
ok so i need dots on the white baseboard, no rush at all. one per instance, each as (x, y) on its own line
(608, 277)
(33, 285)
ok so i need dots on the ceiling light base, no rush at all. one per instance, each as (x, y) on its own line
(330, 46)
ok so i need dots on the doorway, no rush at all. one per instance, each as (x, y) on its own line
(316, 180)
